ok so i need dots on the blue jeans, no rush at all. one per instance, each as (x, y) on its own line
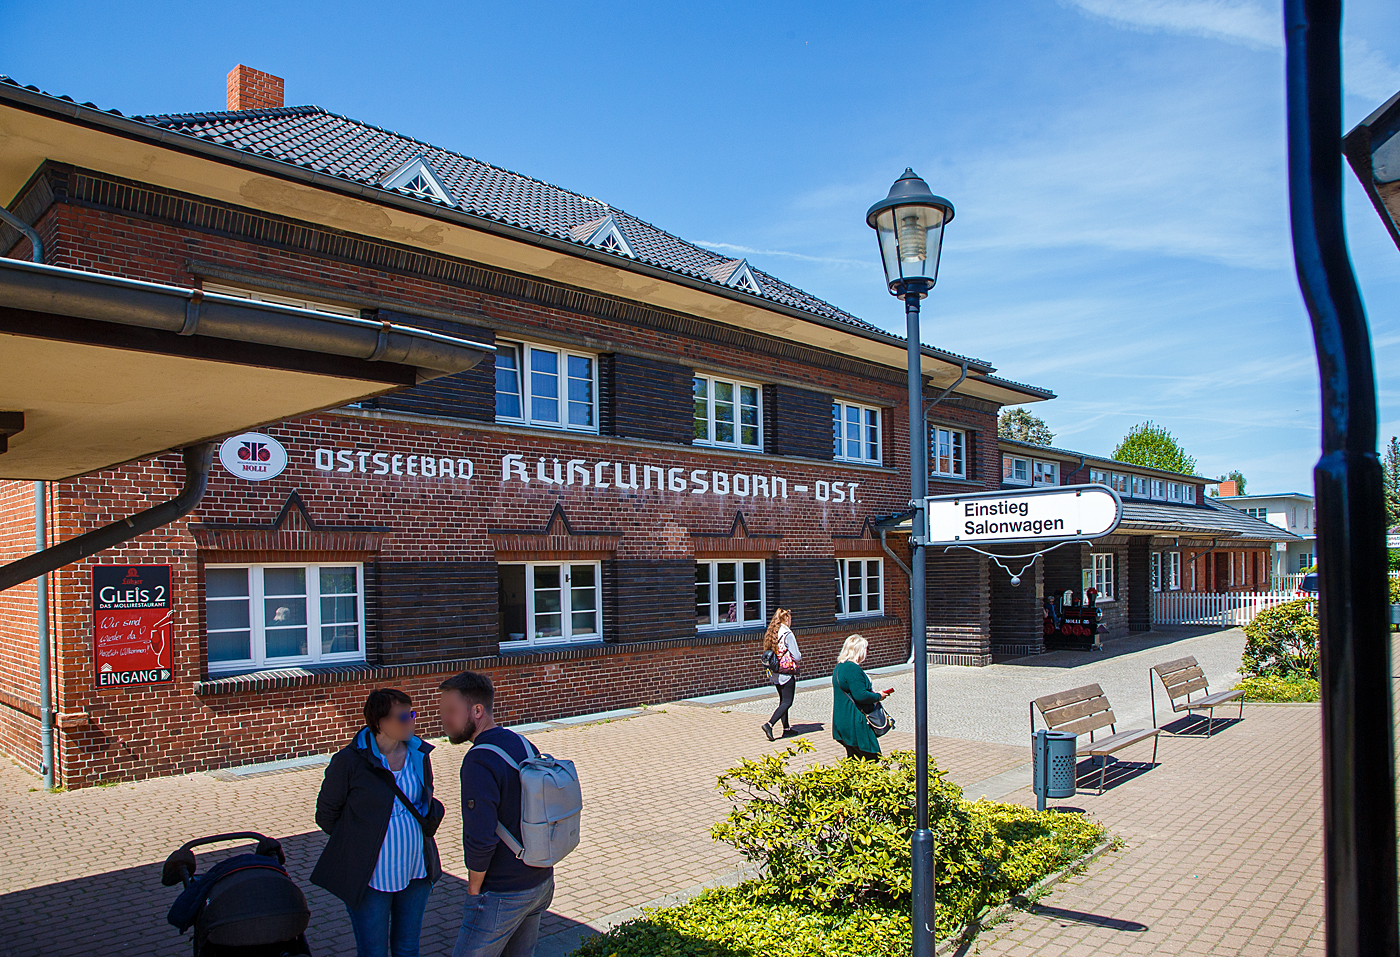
(503, 925)
(387, 922)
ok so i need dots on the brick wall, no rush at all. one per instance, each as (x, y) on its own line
(647, 399)
(1017, 621)
(428, 541)
(797, 422)
(250, 89)
(959, 615)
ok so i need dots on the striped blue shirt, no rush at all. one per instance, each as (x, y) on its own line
(401, 854)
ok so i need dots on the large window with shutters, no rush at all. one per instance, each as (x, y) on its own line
(859, 587)
(948, 452)
(729, 594)
(728, 413)
(546, 387)
(272, 616)
(549, 603)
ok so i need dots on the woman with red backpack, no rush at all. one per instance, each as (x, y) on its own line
(782, 660)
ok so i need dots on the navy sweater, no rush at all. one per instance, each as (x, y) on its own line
(491, 792)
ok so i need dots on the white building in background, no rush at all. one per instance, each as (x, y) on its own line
(1293, 511)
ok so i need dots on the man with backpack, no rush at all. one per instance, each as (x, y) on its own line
(520, 813)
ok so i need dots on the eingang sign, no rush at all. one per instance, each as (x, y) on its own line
(1061, 513)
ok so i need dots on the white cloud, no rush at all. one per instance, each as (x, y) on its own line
(1366, 71)
(751, 251)
(1235, 21)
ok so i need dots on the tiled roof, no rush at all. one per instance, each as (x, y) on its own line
(1032, 448)
(1207, 518)
(338, 146)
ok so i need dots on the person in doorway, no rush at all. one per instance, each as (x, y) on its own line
(505, 897)
(853, 699)
(377, 805)
(782, 642)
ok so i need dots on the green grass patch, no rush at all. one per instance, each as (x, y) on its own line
(1280, 688)
(832, 845)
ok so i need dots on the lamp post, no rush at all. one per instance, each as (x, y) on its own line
(909, 224)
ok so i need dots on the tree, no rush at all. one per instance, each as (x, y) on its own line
(1390, 466)
(1236, 476)
(1153, 446)
(1023, 426)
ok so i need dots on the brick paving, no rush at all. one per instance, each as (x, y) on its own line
(1222, 839)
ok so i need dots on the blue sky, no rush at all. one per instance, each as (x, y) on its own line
(1117, 165)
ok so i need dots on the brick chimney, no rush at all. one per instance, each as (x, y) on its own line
(1228, 489)
(250, 89)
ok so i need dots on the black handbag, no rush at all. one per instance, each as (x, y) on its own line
(880, 722)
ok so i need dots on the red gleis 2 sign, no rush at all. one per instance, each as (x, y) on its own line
(131, 625)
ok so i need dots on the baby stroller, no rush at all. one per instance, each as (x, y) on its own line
(246, 906)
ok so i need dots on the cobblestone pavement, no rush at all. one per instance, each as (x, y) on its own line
(1222, 849)
(990, 704)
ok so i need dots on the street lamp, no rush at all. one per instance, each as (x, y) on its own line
(909, 224)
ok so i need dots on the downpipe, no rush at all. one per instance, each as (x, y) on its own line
(1358, 783)
(197, 459)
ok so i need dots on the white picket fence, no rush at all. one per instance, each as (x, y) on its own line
(1288, 582)
(1223, 611)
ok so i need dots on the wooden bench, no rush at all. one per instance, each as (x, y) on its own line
(1086, 710)
(1181, 679)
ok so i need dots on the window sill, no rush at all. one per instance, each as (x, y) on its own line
(513, 648)
(278, 677)
(754, 629)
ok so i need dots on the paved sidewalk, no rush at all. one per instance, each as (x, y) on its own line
(1222, 846)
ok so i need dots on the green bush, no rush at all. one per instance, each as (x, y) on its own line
(1394, 557)
(752, 921)
(1394, 590)
(1280, 688)
(1282, 641)
(832, 843)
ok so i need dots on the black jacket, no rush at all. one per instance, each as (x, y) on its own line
(356, 799)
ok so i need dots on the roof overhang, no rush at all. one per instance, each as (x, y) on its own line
(101, 370)
(35, 127)
(1373, 150)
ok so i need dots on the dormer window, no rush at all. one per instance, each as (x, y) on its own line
(736, 274)
(417, 178)
(603, 234)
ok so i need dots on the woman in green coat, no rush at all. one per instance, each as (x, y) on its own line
(853, 700)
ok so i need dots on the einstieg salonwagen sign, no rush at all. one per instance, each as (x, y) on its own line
(1033, 515)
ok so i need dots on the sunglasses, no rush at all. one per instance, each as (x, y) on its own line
(406, 717)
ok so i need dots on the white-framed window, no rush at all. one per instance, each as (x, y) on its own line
(855, 432)
(1305, 561)
(549, 603)
(1157, 571)
(1189, 494)
(546, 387)
(1173, 571)
(729, 594)
(274, 616)
(1118, 482)
(1097, 477)
(1138, 486)
(860, 587)
(1103, 575)
(1045, 473)
(1015, 470)
(947, 452)
(1261, 513)
(283, 299)
(1173, 491)
(728, 413)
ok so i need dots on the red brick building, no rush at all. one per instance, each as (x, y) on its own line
(669, 446)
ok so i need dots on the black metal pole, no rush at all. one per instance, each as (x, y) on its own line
(922, 845)
(1358, 783)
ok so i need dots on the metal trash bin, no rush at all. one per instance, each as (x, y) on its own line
(1054, 759)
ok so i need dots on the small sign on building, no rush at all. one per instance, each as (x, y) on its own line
(1061, 513)
(131, 625)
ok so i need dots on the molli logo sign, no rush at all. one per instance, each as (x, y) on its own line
(1034, 515)
(131, 625)
(253, 456)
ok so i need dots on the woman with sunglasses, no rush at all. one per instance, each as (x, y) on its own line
(377, 805)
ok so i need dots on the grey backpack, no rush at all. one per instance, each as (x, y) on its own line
(550, 805)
